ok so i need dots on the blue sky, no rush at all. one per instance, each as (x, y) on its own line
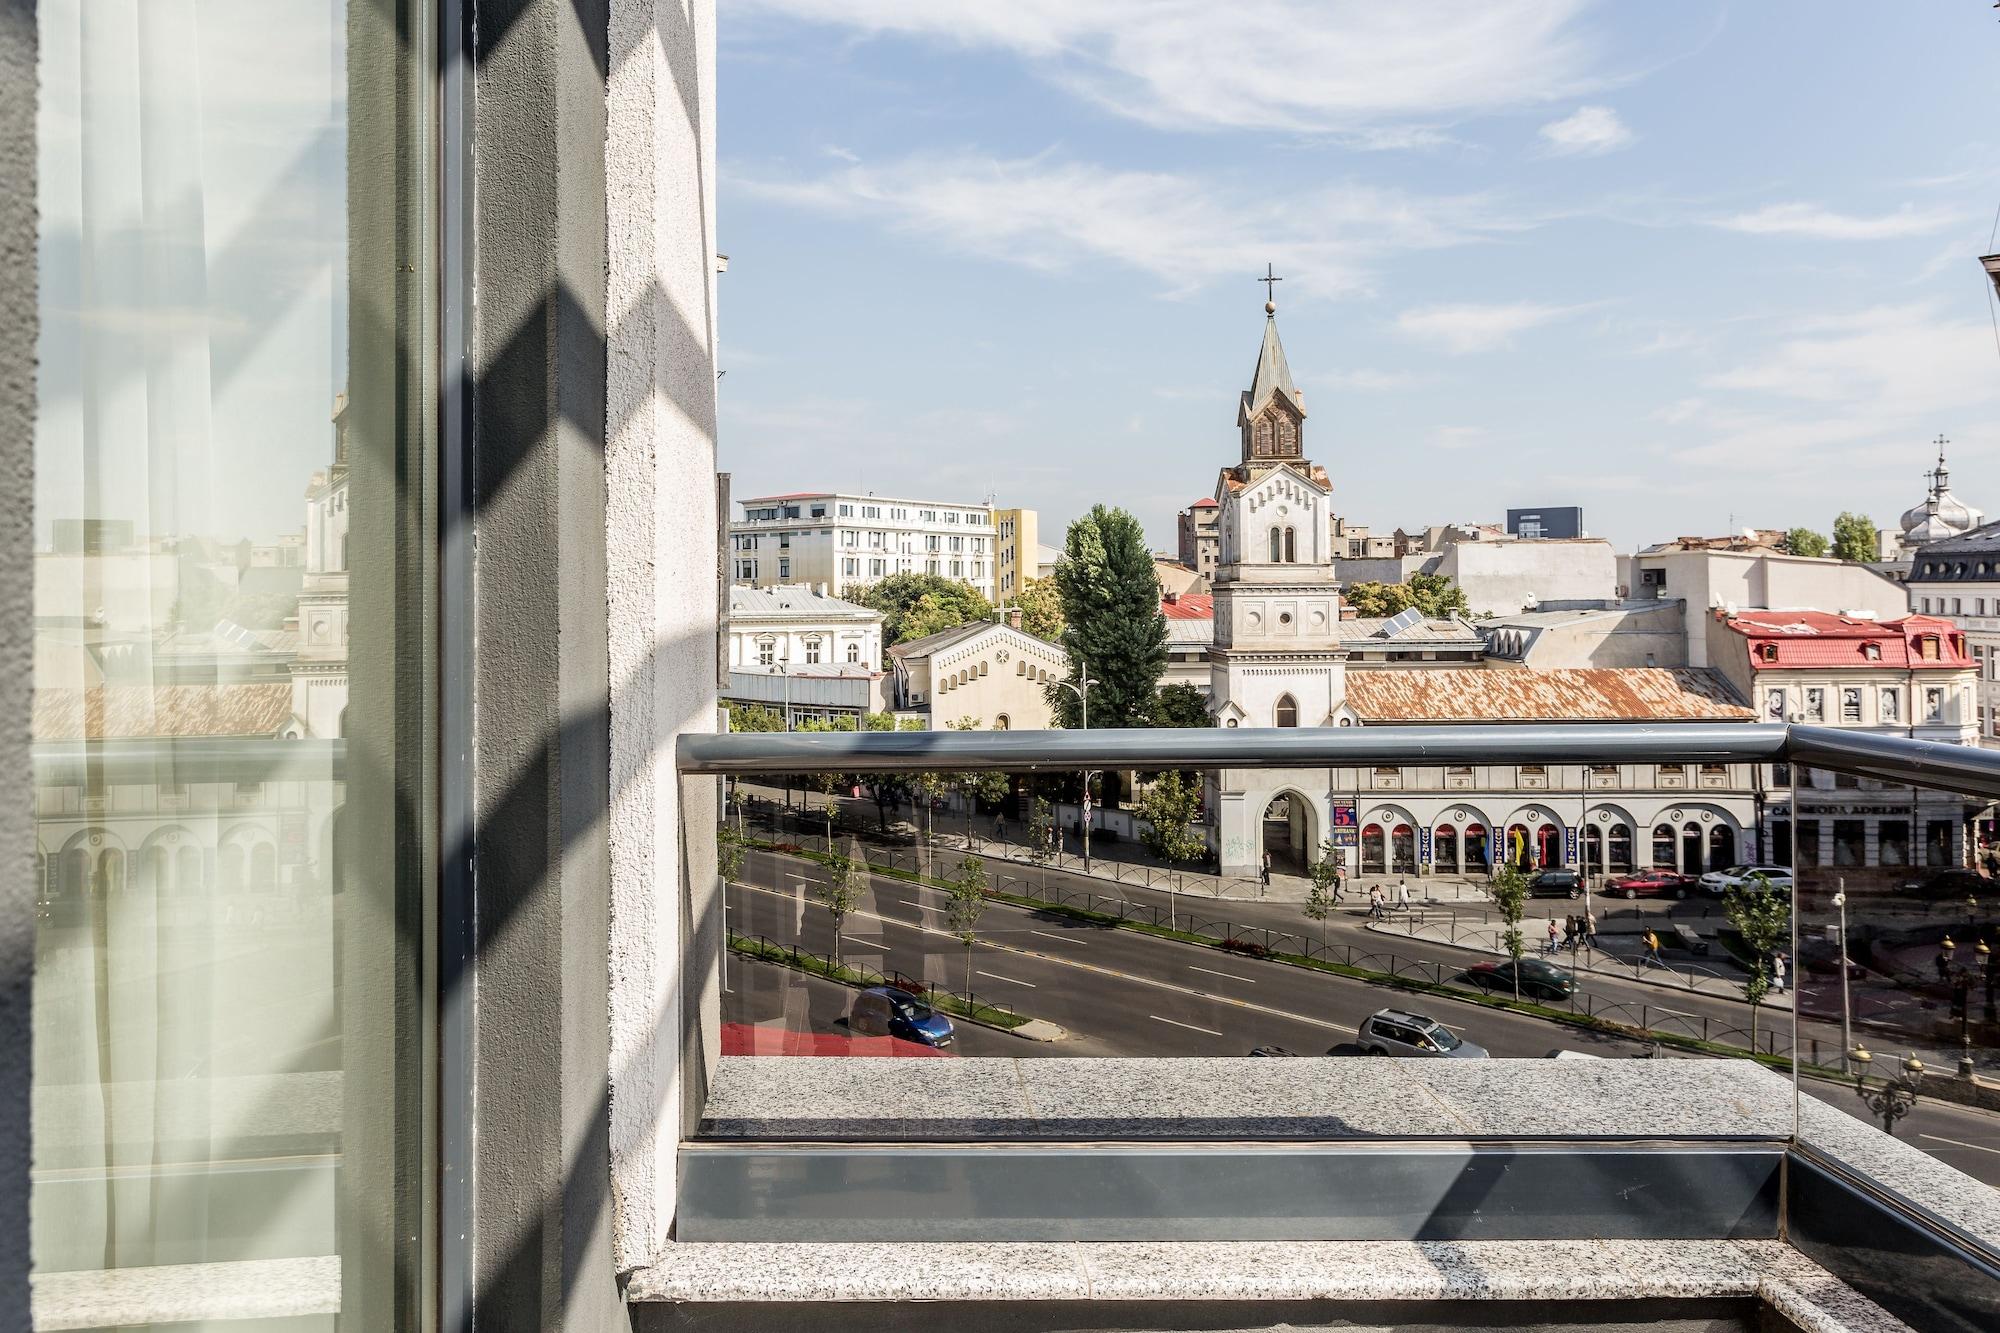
(1682, 265)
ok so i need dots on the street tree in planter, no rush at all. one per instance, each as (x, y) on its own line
(976, 785)
(965, 902)
(1169, 807)
(1510, 896)
(839, 893)
(730, 852)
(1041, 831)
(1764, 920)
(1324, 873)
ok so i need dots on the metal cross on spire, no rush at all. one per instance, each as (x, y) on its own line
(1270, 281)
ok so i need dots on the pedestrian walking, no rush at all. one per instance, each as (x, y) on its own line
(1551, 949)
(1403, 894)
(1267, 870)
(1339, 880)
(1569, 931)
(1589, 929)
(1778, 973)
(1652, 946)
(999, 828)
(1375, 903)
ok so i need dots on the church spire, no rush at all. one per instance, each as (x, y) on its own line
(1272, 410)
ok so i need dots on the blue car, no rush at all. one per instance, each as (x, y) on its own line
(884, 1011)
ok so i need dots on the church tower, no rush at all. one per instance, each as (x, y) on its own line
(1276, 660)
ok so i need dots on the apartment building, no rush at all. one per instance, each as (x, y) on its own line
(1959, 578)
(1017, 535)
(845, 541)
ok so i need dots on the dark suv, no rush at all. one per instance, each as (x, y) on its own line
(1555, 884)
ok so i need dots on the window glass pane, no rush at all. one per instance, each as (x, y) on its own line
(231, 721)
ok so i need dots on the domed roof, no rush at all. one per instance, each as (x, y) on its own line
(1942, 514)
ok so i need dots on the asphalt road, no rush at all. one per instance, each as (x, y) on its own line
(1118, 992)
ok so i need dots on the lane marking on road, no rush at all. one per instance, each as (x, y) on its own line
(1061, 960)
(1251, 981)
(1010, 980)
(1189, 1026)
(873, 944)
(1059, 939)
(1976, 1147)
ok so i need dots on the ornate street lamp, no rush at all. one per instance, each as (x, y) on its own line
(1896, 1096)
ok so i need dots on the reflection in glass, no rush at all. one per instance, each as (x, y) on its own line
(203, 964)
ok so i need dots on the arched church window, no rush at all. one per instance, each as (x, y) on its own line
(1287, 712)
(1277, 546)
(1291, 546)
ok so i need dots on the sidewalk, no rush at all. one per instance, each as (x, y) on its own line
(1671, 974)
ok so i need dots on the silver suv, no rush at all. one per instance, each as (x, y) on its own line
(1395, 1032)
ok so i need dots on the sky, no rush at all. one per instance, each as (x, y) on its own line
(1693, 267)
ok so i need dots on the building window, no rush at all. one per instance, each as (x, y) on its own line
(1927, 648)
(1890, 703)
(1767, 652)
(1807, 839)
(1291, 546)
(1287, 712)
(1892, 842)
(1850, 842)
(784, 566)
(1937, 842)
(1933, 704)
(812, 651)
(1850, 702)
(767, 652)
(1872, 651)
(1277, 546)
(1815, 704)
(854, 652)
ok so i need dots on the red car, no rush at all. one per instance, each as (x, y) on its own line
(1652, 883)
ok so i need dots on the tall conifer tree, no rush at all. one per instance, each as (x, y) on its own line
(1112, 625)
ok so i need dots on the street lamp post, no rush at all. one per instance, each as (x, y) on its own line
(1847, 1046)
(1896, 1096)
(1079, 689)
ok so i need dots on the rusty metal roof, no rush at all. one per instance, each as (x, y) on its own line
(131, 712)
(1601, 694)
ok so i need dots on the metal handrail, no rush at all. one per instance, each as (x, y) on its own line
(746, 753)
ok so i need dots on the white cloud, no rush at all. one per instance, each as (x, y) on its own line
(1184, 230)
(1587, 132)
(1314, 65)
(1817, 223)
(1479, 328)
(1365, 380)
(1886, 358)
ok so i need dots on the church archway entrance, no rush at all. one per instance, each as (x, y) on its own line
(1287, 834)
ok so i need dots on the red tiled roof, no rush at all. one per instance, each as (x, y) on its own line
(1778, 640)
(1206, 502)
(1189, 606)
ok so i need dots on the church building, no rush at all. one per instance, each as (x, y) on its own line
(1280, 657)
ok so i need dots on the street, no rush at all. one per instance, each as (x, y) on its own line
(1124, 993)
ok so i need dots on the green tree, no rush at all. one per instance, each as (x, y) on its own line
(1112, 625)
(965, 902)
(1854, 538)
(1041, 830)
(755, 717)
(839, 893)
(976, 785)
(1324, 873)
(888, 790)
(1041, 609)
(1510, 897)
(1169, 807)
(1764, 920)
(730, 853)
(913, 605)
(1804, 541)
(1433, 594)
(1180, 705)
(828, 782)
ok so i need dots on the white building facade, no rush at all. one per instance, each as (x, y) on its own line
(796, 624)
(847, 541)
(1959, 577)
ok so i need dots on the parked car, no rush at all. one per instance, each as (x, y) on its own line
(1399, 1032)
(1650, 884)
(1539, 980)
(1718, 882)
(884, 1011)
(1956, 882)
(1555, 884)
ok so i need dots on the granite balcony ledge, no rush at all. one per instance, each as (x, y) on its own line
(1386, 1271)
(780, 1099)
